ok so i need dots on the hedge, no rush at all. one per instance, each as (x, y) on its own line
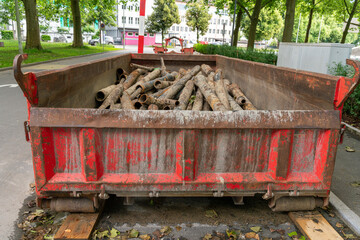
(256, 55)
(7, 35)
(45, 38)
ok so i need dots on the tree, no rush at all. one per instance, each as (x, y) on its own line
(311, 7)
(32, 25)
(346, 11)
(165, 14)
(289, 20)
(269, 25)
(75, 9)
(7, 12)
(253, 15)
(198, 17)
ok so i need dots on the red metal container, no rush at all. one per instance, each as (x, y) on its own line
(286, 149)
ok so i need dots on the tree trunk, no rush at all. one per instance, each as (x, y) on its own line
(309, 23)
(346, 30)
(197, 35)
(289, 20)
(75, 9)
(237, 27)
(254, 21)
(162, 38)
(32, 25)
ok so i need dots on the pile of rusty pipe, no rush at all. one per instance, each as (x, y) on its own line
(146, 86)
(240, 97)
(151, 76)
(163, 67)
(153, 107)
(115, 106)
(176, 87)
(131, 79)
(222, 93)
(113, 96)
(162, 84)
(126, 102)
(208, 93)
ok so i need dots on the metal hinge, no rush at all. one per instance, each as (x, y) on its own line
(27, 130)
(342, 131)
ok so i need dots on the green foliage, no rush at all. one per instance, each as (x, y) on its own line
(7, 11)
(7, 35)
(101, 11)
(352, 104)
(165, 14)
(45, 38)
(62, 30)
(97, 35)
(88, 29)
(44, 28)
(270, 24)
(198, 17)
(256, 55)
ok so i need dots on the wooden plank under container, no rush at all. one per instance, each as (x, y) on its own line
(314, 226)
(77, 226)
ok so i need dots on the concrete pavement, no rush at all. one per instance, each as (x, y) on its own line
(16, 172)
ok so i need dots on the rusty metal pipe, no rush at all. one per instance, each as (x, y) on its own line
(113, 96)
(240, 97)
(163, 67)
(286, 204)
(185, 95)
(126, 102)
(138, 105)
(210, 80)
(115, 106)
(146, 86)
(208, 93)
(153, 107)
(206, 69)
(131, 79)
(198, 102)
(218, 74)
(151, 76)
(135, 66)
(102, 94)
(206, 106)
(148, 99)
(84, 205)
(162, 84)
(222, 93)
(233, 104)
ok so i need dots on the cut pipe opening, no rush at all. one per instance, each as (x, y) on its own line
(143, 98)
(100, 96)
(137, 105)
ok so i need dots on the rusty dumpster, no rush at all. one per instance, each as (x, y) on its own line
(285, 150)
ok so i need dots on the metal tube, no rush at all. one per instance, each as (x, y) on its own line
(221, 92)
(185, 95)
(102, 94)
(199, 101)
(134, 66)
(208, 93)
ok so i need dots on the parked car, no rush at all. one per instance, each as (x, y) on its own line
(108, 40)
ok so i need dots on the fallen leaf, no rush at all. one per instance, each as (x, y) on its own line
(349, 236)
(355, 184)
(233, 233)
(302, 238)
(102, 234)
(133, 233)
(250, 235)
(331, 215)
(114, 233)
(292, 234)
(207, 236)
(178, 228)
(339, 225)
(165, 230)
(256, 229)
(349, 149)
(145, 237)
(157, 233)
(211, 214)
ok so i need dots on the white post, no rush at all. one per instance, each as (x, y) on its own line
(18, 26)
(320, 28)
(297, 34)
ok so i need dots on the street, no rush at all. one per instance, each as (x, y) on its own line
(16, 173)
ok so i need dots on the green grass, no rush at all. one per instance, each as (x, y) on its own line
(50, 51)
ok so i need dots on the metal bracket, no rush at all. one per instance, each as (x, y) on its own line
(269, 194)
(27, 81)
(345, 86)
(218, 193)
(103, 195)
(342, 131)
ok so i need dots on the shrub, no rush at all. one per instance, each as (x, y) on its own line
(45, 38)
(7, 35)
(352, 104)
(256, 55)
(62, 30)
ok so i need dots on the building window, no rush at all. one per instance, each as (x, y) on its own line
(137, 20)
(213, 30)
(123, 19)
(214, 21)
(218, 21)
(229, 23)
(130, 34)
(177, 28)
(130, 8)
(123, 6)
(225, 22)
(137, 8)
(222, 21)
(173, 28)
(209, 30)
(151, 34)
(136, 34)
(130, 20)
(145, 35)
(182, 29)
(217, 31)
(186, 29)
